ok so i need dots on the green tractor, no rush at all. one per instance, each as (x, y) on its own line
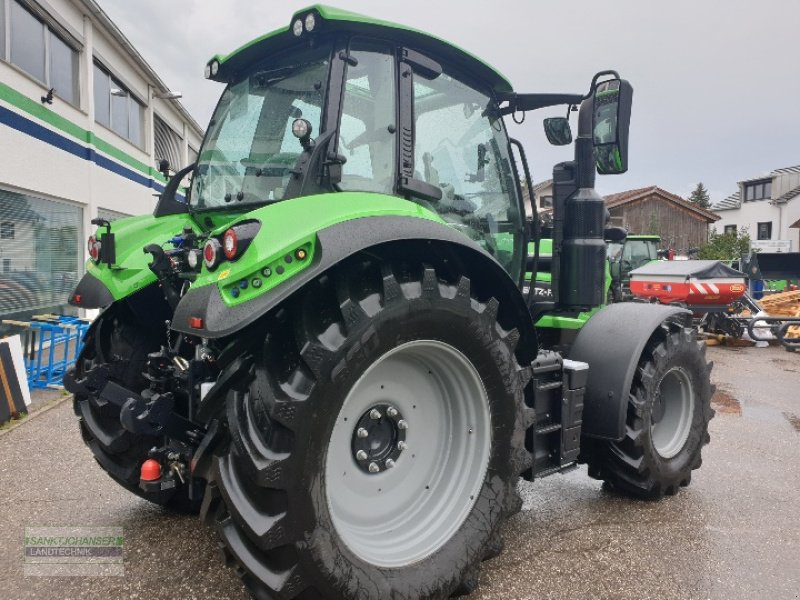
(323, 346)
(635, 251)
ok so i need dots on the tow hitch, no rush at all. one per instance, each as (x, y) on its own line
(154, 478)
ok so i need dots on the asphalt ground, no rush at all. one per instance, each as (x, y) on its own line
(733, 533)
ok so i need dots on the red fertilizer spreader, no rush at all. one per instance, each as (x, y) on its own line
(700, 285)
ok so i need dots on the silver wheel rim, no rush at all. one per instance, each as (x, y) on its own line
(403, 514)
(672, 413)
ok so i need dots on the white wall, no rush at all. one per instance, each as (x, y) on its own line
(752, 213)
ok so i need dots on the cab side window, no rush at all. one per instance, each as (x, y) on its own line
(366, 134)
(462, 150)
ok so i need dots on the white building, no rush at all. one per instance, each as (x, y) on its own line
(768, 207)
(84, 121)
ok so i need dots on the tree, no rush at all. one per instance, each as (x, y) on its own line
(700, 196)
(725, 246)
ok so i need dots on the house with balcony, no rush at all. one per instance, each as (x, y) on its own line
(768, 207)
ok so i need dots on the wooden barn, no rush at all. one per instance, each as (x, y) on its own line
(680, 223)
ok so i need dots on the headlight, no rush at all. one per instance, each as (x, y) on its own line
(297, 28)
(301, 128)
(230, 244)
(310, 22)
(212, 253)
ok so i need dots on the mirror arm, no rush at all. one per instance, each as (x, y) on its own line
(526, 102)
(168, 204)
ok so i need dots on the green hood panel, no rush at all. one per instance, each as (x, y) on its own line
(285, 228)
(130, 272)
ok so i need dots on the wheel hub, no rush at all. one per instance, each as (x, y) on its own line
(379, 437)
(396, 516)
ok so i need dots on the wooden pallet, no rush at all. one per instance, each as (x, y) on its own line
(784, 304)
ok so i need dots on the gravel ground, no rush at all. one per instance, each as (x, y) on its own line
(732, 534)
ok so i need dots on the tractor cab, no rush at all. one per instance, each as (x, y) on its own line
(338, 103)
(335, 104)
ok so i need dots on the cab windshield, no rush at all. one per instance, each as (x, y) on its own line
(249, 151)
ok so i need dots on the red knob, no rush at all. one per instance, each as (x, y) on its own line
(151, 470)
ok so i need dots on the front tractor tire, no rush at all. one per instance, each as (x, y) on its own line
(121, 344)
(378, 447)
(668, 412)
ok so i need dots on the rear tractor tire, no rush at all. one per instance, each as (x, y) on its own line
(378, 447)
(120, 342)
(668, 412)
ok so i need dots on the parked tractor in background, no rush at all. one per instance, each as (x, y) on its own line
(635, 251)
(326, 349)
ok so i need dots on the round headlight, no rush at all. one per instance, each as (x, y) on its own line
(193, 258)
(212, 252)
(208, 71)
(301, 128)
(310, 22)
(230, 244)
(214, 68)
(297, 28)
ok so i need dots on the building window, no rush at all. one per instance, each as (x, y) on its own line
(27, 41)
(730, 229)
(116, 108)
(38, 51)
(545, 202)
(167, 144)
(758, 190)
(63, 69)
(7, 230)
(42, 264)
(765, 231)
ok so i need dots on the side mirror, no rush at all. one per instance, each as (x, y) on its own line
(611, 119)
(558, 131)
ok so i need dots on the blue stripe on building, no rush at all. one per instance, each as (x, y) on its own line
(33, 129)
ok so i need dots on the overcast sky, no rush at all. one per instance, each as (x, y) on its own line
(716, 82)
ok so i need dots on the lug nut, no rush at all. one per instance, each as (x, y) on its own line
(375, 414)
(401, 445)
(391, 411)
(373, 467)
(389, 463)
(362, 433)
(361, 455)
(402, 424)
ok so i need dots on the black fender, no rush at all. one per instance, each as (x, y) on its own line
(91, 293)
(612, 341)
(373, 234)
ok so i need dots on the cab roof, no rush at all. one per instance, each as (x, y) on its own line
(329, 19)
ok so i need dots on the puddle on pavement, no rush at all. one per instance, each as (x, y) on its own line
(726, 404)
(794, 420)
